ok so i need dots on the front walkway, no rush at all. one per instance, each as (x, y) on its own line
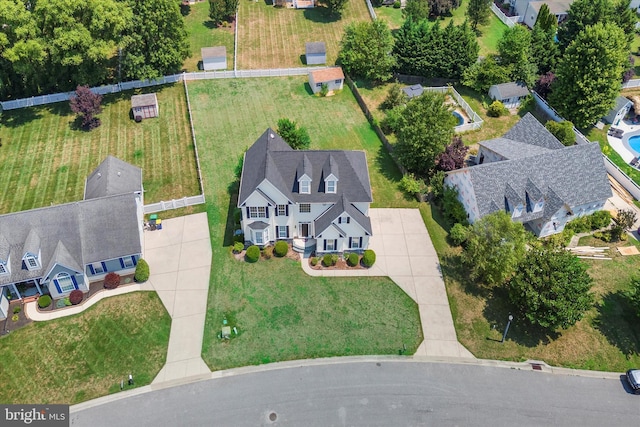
(404, 252)
(179, 258)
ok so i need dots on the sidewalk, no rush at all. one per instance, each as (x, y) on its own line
(404, 252)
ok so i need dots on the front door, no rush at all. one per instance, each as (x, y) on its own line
(304, 229)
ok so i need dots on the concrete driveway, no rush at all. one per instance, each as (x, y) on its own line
(179, 258)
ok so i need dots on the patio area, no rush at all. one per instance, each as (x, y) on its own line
(621, 145)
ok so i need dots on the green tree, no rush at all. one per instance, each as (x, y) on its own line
(633, 295)
(155, 41)
(297, 137)
(563, 131)
(546, 20)
(416, 10)
(478, 12)
(625, 218)
(551, 288)
(544, 49)
(222, 10)
(335, 7)
(587, 84)
(366, 50)
(485, 73)
(495, 247)
(425, 128)
(514, 49)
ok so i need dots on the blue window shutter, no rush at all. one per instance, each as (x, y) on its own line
(276, 210)
(73, 279)
(91, 269)
(339, 220)
(135, 261)
(348, 220)
(248, 212)
(55, 282)
(121, 262)
(287, 231)
(335, 244)
(350, 240)
(266, 210)
(360, 243)
(104, 267)
(324, 242)
(286, 209)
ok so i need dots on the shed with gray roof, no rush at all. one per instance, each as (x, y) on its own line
(315, 53)
(510, 94)
(619, 111)
(214, 58)
(144, 106)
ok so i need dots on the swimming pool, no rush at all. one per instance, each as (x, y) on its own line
(634, 143)
(461, 122)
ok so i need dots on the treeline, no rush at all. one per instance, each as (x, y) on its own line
(49, 46)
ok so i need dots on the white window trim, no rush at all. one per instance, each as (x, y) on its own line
(282, 210)
(257, 212)
(355, 243)
(282, 232)
(97, 268)
(331, 182)
(28, 259)
(331, 244)
(304, 204)
(3, 269)
(128, 262)
(68, 282)
(305, 186)
(259, 237)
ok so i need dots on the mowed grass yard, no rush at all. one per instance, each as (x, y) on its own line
(203, 33)
(270, 37)
(85, 356)
(45, 158)
(280, 312)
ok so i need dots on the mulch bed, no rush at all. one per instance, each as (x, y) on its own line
(340, 265)
(291, 254)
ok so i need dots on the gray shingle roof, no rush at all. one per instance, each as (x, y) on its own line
(312, 48)
(510, 90)
(342, 205)
(271, 158)
(143, 100)
(113, 176)
(620, 103)
(213, 52)
(413, 90)
(511, 149)
(573, 175)
(531, 131)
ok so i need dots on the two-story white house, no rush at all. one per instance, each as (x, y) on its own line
(531, 175)
(313, 197)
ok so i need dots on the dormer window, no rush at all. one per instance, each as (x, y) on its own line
(3, 269)
(31, 262)
(539, 205)
(331, 186)
(517, 211)
(305, 186)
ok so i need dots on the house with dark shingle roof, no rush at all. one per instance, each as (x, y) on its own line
(57, 249)
(313, 197)
(529, 174)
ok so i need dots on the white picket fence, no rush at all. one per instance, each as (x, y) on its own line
(509, 21)
(175, 78)
(174, 204)
(631, 83)
(371, 11)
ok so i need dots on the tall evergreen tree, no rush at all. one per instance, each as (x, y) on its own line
(544, 49)
(546, 20)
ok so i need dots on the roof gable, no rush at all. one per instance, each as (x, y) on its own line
(528, 130)
(113, 176)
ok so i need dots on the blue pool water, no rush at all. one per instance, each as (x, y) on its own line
(634, 143)
(461, 121)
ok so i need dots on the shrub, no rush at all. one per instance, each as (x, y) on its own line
(389, 124)
(252, 254)
(75, 297)
(600, 219)
(66, 302)
(334, 258)
(281, 248)
(409, 184)
(563, 131)
(395, 98)
(497, 109)
(239, 239)
(452, 208)
(314, 261)
(458, 234)
(111, 281)
(327, 260)
(324, 90)
(142, 271)
(17, 309)
(352, 260)
(397, 5)
(15, 317)
(44, 301)
(369, 258)
(238, 247)
(267, 252)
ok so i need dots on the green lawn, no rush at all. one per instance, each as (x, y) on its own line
(85, 356)
(270, 37)
(281, 312)
(202, 33)
(45, 158)
(393, 17)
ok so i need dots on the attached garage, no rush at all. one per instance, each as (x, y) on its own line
(144, 106)
(214, 58)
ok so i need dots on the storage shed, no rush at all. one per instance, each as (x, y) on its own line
(144, 106)
(315, 53)
(510, 94)
(333, 77)
(619, 110)
(214, 58)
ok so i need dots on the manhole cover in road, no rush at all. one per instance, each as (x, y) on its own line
(378, 364)
(273, 416)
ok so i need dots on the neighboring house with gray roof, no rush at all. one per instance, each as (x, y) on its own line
(413, 91)
(619, 111)
(54, 250)
(536, 179)
(510, 94)
(312, 197)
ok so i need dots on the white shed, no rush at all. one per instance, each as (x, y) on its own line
(510, 94)
(333, 77)
(315, 53)
(214, 58)
(144, 106)
(619, 110)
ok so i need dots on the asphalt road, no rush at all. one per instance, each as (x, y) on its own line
(385, 393)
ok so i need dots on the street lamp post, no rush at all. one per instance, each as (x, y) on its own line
(504, 336)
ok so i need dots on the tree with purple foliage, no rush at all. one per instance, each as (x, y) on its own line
(631, 71)
(86, 105)
(543, 84)
(453, 156)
